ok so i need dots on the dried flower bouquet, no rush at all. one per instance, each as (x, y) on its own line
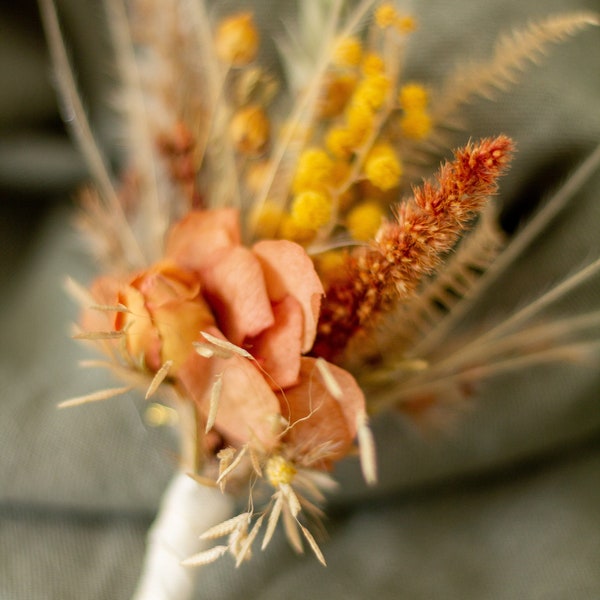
(279, 278)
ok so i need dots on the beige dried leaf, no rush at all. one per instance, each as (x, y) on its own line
(95, 397)
(333, 387)
(215, 396)
(247, 544)
(273, 519)
(290, 525)
(225, 346)
(225, 457)
(110, 308)
(313, 544)
(160, 376)
(206, 557)
(209, 351)
(366, 445)
(232, 465)
(225, 528)
(292, 500)
(99, 335)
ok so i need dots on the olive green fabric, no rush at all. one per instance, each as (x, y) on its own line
(504, 505)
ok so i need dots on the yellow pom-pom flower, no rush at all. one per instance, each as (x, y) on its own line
(413, 96)
(364, 220)
(314, 170)
(347, 52)
(416, 124)
(250, 130)
(405, 24)
(290, 230)
(373, 91)
(360, 121)
(340, 142)
(312, 209)
(386, 15)
(279, 471)
(372, 64)
(237, 39)
(382, 167)
(336, 93)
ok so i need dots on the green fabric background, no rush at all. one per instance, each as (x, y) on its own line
(504, 506)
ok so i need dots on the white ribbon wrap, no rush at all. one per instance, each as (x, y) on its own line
(187, 510)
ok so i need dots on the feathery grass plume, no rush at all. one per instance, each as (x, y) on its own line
(412, 246)
(412, 320)
(106, 200)
(512, 53)
(429, 384)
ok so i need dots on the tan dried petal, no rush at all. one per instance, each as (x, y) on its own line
(313, 544)
(160, 376)
(206, 557)
(273, 519)
(226, 527)
(95, 397)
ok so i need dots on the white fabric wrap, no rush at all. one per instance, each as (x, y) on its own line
(186, 511)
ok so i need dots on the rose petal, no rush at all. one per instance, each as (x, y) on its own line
(166, 281)
(248, 408)
(195, 374)
(234, 287)
(289, 270)
(170, 296)
(278, 349)
(143, 340)
(179, 325)
(317, 418)
(193, 241)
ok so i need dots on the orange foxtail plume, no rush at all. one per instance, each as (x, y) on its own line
(406, 249)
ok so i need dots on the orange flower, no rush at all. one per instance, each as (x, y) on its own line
(166, 312)
(318, 418)
(265, 298)
(266, 301)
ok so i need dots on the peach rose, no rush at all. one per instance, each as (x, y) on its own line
(265, 300)
(166, 312)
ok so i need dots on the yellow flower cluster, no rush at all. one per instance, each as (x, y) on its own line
(312, 206)
(279, 471)
(312, 209)
(364, 220)
(340, 181)
(382, 167)
(348, 52)
(236, 44)
(250, 130)
(373, 91)
(372, 64)
(415, 122)
(387, 16)
(237, 39)
(314, 171)
(337, 91)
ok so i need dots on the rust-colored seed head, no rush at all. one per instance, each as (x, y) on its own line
(409, 247)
